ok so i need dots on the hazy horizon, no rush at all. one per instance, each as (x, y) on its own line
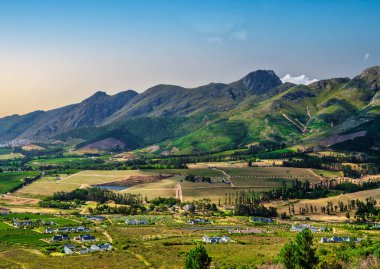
(55, 53)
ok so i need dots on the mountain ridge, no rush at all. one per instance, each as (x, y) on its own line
(259, 105)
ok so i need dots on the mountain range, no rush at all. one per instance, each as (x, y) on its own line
(337, 112)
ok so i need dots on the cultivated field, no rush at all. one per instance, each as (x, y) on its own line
(204, 172)
(253, 178)
(79, 180)
(163, 188)
(261, 177)
(11, 156)
(10, 180)
(32, 147)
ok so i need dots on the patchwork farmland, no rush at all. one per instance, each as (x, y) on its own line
(79, 180)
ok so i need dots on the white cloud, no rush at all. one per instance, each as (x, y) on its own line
(367, 55)
(302, 79)
(215, 39)
(218, 29)
(239, 35)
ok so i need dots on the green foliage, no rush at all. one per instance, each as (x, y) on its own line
(287, 256)
(12, 180)
(300, 253)
(197, 259)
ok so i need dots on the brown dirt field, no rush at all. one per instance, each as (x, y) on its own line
(15, 200)
(135, 180)
(217, 165)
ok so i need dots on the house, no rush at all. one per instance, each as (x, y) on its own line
(49, 230)
(69, 249)
(94, 248)
(84, 251)
(21, 224)
(339, 239)
(72, 229)
(56, 238)
(206, 238)
(224, 239)
(80, 229)
(65, 237)
(216, 239)
(324, 240)
(87, 238)
(104, 247)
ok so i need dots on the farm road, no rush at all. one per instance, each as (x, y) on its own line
(228, 177)
(178, 192)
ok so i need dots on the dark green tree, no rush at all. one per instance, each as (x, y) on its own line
(197, 259)
(287, 256)
(300, 253)
(305, 252)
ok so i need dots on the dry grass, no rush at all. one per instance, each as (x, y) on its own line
(78, 180)
(163, 188)
(282, 206)
(11, 156)
(32, 147)
(217, 165)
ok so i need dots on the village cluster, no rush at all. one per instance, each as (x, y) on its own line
(71, 249)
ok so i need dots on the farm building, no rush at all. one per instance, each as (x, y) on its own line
(49, 230)
(69, 249)
(216, 239)
(101, 247)
(59, 238)
(86, 238)
(22, 224)
(78, 229)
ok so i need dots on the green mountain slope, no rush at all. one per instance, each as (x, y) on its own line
(217, 116)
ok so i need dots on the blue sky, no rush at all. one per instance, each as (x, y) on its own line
(57, 52)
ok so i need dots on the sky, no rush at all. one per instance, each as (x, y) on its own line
(54, 53)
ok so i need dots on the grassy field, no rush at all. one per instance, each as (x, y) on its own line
(32, 147)
(78, 180)
(11, 156)
(10, 180)
(164, 245)
(327, 173)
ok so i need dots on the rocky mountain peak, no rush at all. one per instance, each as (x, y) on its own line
(259, 81)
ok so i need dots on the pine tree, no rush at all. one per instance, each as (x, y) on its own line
(304, 251)
(197, 259)
(287, 256)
